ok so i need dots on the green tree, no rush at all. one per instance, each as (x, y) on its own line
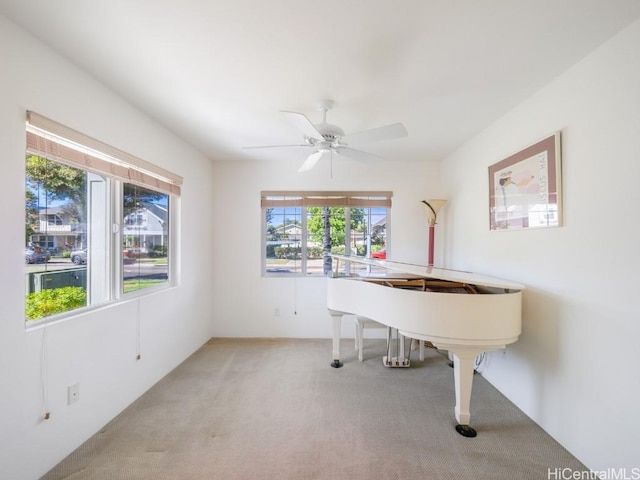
(31, 214)
(337, 220)
(134, 197)
(53, 180)
(327, 225)
(47, 180)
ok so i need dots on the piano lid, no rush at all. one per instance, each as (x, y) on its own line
(431, 272)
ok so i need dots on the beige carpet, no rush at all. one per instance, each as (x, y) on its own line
(275, 409)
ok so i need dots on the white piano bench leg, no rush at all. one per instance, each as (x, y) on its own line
(360, 327)
(420, 348)
(361, 323)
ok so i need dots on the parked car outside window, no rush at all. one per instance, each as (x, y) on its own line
(36, 255)
(79, 257)
(380, 254)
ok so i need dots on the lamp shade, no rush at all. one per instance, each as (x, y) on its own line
(433, 207)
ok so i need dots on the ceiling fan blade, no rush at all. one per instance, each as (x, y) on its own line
(303, 124)
(276, 146)
(395, 130)
(358, 155)
(311, 161)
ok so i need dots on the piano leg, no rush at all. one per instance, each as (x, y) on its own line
(463, 366)
(336, 320)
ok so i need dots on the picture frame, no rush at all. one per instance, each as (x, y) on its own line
(525, 188)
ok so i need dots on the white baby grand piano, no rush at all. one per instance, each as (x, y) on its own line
(464, 313)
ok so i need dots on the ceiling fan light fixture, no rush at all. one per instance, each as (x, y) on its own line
(330, 132)
(328, 138)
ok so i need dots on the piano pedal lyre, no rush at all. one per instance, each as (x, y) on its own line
(399, 360)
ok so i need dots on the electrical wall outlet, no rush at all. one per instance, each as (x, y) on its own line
(73, 393)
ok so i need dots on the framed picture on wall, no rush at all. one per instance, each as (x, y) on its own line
(524, 188)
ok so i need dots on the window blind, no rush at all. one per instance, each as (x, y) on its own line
(50, 139)
(271, 199)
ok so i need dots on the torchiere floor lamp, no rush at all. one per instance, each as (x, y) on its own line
(433, 207)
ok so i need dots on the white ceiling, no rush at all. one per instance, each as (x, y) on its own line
(217, 72)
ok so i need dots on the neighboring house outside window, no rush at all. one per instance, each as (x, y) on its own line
(56, 229)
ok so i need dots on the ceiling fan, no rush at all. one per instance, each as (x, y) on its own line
(324, 138)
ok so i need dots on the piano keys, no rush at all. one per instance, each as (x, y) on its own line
(464, 313)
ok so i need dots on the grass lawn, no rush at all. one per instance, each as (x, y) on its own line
(133, 285)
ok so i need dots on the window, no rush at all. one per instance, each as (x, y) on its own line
(54, 220)
(97, 223)
(301, 229)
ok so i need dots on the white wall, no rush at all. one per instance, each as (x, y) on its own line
(244, 303)
(575, 368)
(96, 349)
